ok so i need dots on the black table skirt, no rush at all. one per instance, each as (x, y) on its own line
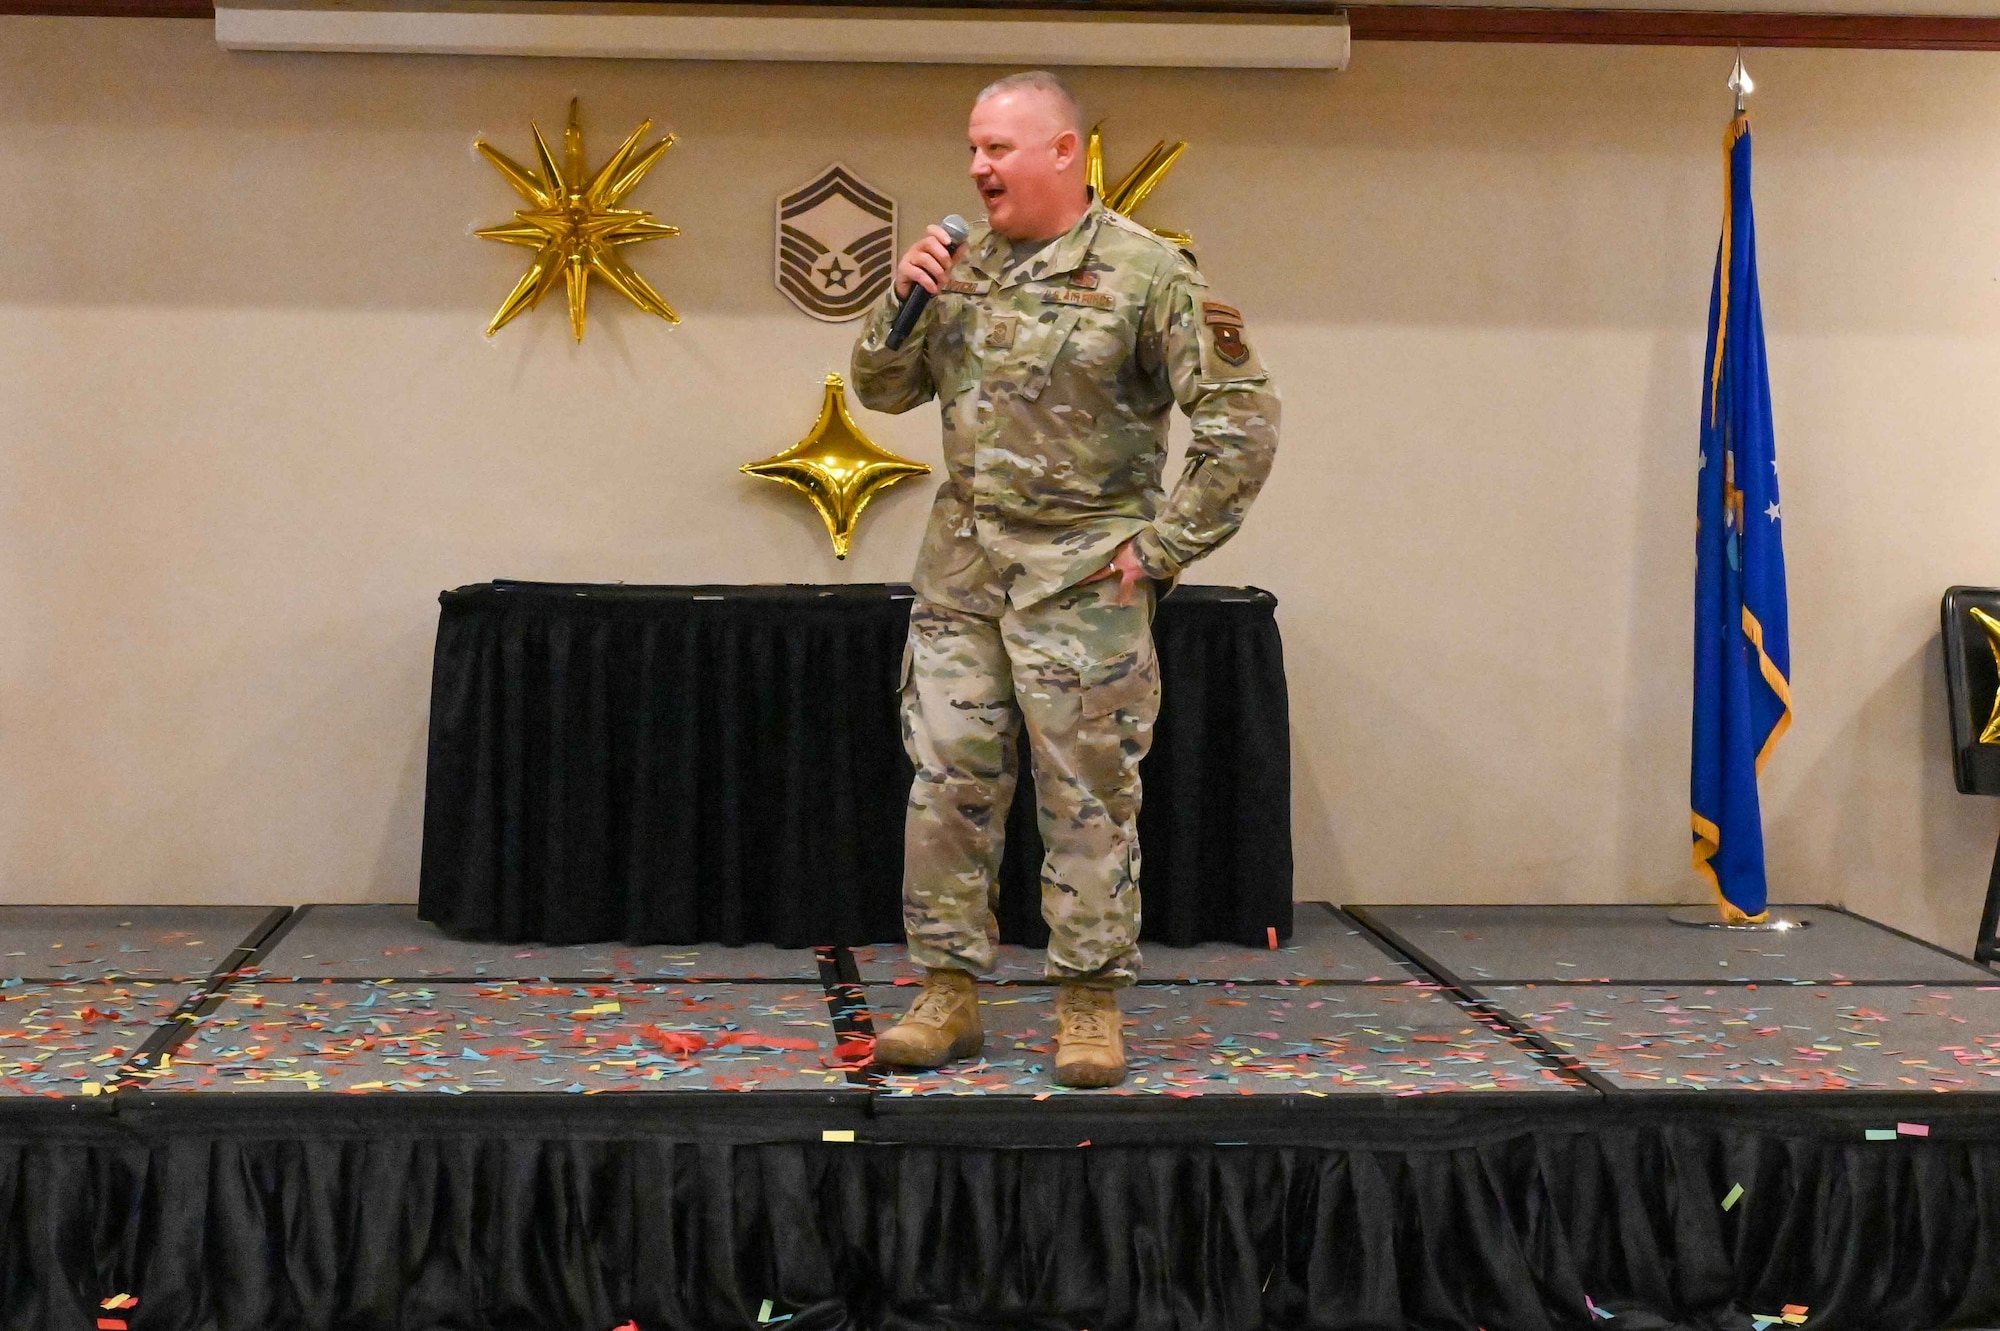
(725, 764)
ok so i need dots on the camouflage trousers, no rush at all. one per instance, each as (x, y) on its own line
(1079, 670)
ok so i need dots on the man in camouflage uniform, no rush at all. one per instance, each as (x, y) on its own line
(1059, 340)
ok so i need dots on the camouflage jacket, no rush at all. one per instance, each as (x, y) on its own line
(1056, 378)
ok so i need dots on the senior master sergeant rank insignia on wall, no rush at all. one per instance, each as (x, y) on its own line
(836, 245)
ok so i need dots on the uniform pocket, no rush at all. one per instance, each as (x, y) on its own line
(1126, 682)
(1038, 344)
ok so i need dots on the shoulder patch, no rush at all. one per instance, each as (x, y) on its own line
(1229, 344)
(1226, 354)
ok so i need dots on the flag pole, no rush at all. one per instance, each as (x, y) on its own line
(1712, 916)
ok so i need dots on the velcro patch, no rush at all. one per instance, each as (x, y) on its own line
(961, 287)
(1098, 300)
(1065, 296)
(1229, 344)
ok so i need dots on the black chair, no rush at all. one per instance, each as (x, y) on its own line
(1971, 681)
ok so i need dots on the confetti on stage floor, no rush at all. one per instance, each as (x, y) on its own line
(164, 943)
(1201, 1040)
(1640, 945)
(401, 1008)
(509, 1036)
(389, 942)
(58, 1039)
(1771, 1037)
(1325, 947)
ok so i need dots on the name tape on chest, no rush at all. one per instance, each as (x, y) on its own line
(958, 286)
(1096, 300)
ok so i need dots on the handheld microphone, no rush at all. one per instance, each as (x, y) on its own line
(914, 303)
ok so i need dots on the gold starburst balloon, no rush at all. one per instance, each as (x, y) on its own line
(837, 467)
(1133, 187)
(1990, 735)
(576, 226)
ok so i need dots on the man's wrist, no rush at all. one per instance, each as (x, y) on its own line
(1152, 556)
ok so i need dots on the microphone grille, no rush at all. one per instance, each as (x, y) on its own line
(957, 228)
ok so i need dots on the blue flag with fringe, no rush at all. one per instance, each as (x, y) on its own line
(1742, 646)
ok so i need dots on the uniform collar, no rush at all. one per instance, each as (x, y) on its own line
(1064, 255)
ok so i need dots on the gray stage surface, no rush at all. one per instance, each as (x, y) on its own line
(1448, 1003)
(143, 942)
(1640, 945)
(1771, 1037)
(509, 1036)
(390, 942)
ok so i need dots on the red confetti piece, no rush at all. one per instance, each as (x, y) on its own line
(1271, 934)
(674, 1042)
(752, 1040)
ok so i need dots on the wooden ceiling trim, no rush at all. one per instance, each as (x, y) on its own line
(1414, 23)
(1686, 27)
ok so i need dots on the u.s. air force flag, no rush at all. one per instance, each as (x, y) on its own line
(1742, 648)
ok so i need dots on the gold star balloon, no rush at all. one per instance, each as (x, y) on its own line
(1990, 735)
(576, 227)
(837, 467)
(1133, 187)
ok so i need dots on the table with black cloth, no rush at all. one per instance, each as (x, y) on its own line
(725, 764)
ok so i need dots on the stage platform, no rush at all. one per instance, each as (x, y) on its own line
(1402, 1116)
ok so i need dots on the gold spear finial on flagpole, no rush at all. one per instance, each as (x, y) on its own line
(1740, 81)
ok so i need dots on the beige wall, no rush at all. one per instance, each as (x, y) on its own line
(249, 427)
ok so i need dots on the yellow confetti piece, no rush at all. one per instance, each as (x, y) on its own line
(830, 1135)
(92, 1088)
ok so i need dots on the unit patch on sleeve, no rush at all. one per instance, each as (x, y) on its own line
(1223, 326)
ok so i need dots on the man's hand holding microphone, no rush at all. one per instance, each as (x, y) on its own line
(921, 273)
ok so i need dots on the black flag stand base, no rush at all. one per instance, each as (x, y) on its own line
(1987, 949)
(1710, 917)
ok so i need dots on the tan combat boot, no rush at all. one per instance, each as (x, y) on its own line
(1090, 1037)
(943, 1024)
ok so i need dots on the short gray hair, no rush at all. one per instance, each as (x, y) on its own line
(1038, 80)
